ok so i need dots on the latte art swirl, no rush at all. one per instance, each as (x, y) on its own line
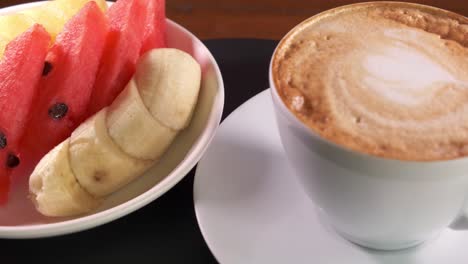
(372, 81)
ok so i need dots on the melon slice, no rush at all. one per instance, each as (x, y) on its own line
(67, 82)
(155, 32)
(127, 23)
(20, 71)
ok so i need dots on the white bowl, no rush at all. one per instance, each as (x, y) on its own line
(19, 219)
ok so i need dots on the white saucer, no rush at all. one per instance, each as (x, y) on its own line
(251, 209)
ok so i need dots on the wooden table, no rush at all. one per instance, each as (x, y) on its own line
(268, 19)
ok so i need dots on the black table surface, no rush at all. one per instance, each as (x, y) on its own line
(165, 231)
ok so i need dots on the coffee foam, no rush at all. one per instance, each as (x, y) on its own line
(402, 74)
(386, 79)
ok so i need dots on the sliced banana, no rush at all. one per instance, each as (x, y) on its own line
(99, 165)
(134, 129)
(119, 143)
(169, 82)
(54, 188)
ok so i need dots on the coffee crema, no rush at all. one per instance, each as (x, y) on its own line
(387, 79)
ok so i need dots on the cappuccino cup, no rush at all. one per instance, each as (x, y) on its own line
(371, 103)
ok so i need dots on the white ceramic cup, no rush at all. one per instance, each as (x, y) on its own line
(375, 202)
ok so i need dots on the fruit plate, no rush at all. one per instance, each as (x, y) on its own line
(19, 219)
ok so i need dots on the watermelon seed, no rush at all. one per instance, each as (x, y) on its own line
(58, 110)
(12, 161)
(3, 141)
(47, 68)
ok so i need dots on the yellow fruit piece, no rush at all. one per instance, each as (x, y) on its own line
(52, 15)
(47, 16)
(3, 44)
(8, 32)
(69, 8)
(21, 23)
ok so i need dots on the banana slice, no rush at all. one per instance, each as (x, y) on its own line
(99, 165)
(169, 82)
(119, 143)
(54, 188)
(134, 129)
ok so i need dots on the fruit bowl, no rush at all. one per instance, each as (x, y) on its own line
(19, 219)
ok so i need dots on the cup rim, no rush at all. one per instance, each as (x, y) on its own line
(286, 112)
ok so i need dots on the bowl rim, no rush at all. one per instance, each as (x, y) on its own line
(176, 175)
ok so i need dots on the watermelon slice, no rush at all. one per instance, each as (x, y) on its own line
(20, 71)
(4, 183)
(66, 87)
(127, 20)
(155, 31)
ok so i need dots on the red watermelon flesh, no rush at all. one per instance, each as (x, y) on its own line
(123, 45)
(4, 184)
(155, 31)
(66, 86)
(20, 71)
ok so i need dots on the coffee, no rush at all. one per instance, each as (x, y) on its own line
(387, 79)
